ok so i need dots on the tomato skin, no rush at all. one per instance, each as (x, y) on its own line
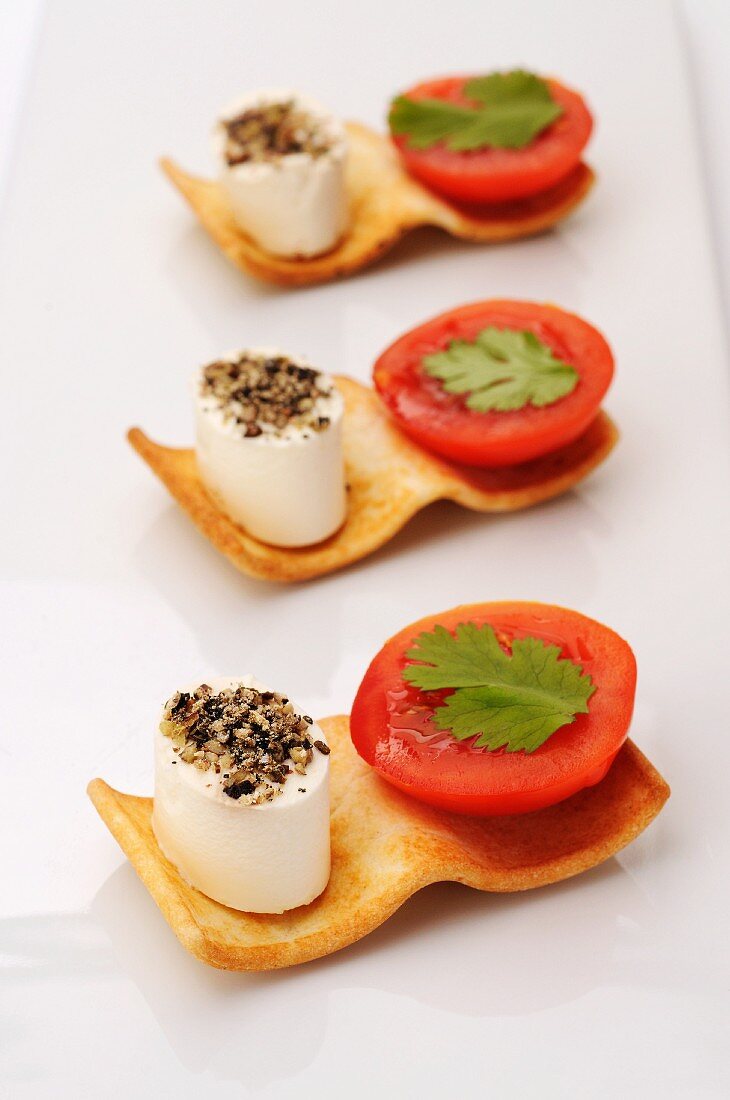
(442, 423)
(392, 731)
(499, 175)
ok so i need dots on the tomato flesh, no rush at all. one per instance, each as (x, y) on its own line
(499, 175)
(441, 422)
(392, 723)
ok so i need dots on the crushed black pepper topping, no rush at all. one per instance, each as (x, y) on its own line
(266, 394)
(252, 739)
(271, 131)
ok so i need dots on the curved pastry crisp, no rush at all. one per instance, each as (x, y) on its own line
(385, 847)
(390, 478)
(385, 202)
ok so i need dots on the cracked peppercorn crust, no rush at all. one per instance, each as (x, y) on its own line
(268, 131)
(261, 392)
(390, 478)
(385, 203)
(249, 737)
(385, 847)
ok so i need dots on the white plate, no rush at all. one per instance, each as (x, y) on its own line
(612, 984)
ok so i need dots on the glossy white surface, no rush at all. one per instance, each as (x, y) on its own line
(612, 984)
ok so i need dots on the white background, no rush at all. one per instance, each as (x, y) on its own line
(613, 984)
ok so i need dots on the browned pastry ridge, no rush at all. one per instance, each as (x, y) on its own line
(390, 478)
(385, 847)
(385, 203)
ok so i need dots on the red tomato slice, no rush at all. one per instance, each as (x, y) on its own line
(393, 730)
(441, 421)
(499, 175)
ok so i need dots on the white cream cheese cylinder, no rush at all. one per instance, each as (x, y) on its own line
(294, 204)
(264, 858)
(285, 488)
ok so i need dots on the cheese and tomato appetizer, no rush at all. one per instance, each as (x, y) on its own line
(496, 708)
(241, 803)
(269, 445)
(492, 138)
(496, 383)
(282, 161)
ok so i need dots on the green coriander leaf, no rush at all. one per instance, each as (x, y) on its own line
(428, 121)
(513, 701)
(502, 370)
(461, 659)
(516, 107)
(508, 87)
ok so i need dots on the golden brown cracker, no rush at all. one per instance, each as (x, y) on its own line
(385, 203)
(385, 847)
(390, 478)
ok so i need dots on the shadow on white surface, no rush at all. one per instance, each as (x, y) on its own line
(568, 935)
(171, 551)
(210, 287)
